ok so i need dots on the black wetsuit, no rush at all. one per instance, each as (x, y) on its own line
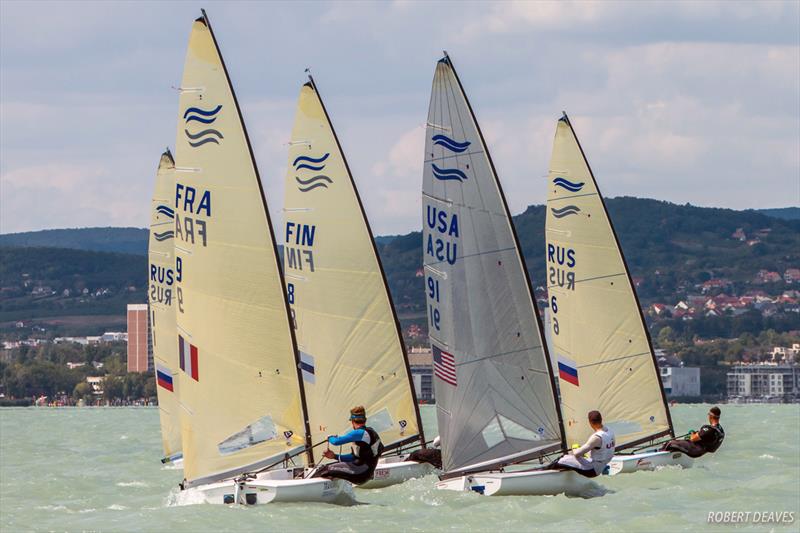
(432, 456)
(359, 466)
(711, 438)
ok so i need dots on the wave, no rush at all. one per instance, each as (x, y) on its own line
(204, 112)
(204, 141)
(312, 187)
(568, 185)
(565, 211)
(446, 174)
(194, 118)
(313, 180)
(199, 134)
(450, 144)
(166, 211)
(310, 159)
(309, 167)
(164, 236)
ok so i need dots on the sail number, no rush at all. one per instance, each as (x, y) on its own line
(554, 309)
(434, 315)
(178, 279)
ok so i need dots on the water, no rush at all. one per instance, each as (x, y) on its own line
(98, 469)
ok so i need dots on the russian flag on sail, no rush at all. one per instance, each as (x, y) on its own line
(444, 366)
(568, 370)
(164, 377)
(188, 358)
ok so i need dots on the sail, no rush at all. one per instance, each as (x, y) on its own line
(600, 342)
(494, 390)
(348, 336)
(161, 296)
(241, 397)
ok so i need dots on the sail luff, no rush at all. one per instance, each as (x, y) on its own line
(388, 295)
(631, 285)
(539, 323)
(303, 404)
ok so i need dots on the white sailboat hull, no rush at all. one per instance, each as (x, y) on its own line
(392, 472)
(527, 483)
(263, 491)
(626, 464)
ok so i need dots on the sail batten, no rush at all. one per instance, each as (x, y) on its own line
(600, 341)
(241, 397)
(495, 395)
(351, 347)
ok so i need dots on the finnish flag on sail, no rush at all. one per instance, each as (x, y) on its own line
(188, 358)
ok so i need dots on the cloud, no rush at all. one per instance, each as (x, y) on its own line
(684, 101)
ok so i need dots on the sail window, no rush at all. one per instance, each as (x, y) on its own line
(259, 431)
(493, 433)
(514, 430)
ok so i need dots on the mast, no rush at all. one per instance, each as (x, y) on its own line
(309, 446)
(539, 324)
(380, 267)
(565, 118)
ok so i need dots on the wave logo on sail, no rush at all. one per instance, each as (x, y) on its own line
(164, 235)
(165, 210)
(311, 164)
(450, 144)
(568, 185)
(565, 211)
(448, 174)
(203, 116)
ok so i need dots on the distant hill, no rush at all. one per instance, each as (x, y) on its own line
(786, 213)
(670, 247)
(124, 240)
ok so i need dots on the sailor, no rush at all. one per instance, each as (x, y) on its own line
(357, 466)
(600, 447)
(707, 440)
(432, 455)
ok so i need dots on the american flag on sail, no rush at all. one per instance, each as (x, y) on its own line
(444, 366)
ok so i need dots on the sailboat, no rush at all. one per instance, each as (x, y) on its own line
(601, 344)
(348, 335)
(242, 400)
(495, 393)
(161, 296)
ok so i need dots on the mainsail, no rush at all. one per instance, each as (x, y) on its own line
(599, 338)
(161, 295)
(241, 396)
(495, 394)
(351, 349)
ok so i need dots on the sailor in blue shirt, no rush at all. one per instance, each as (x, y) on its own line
(358, 465)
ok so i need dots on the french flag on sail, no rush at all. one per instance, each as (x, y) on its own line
(568, 370)
(188, 357)
(164, 377)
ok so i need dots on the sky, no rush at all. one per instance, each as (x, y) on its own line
(694, 102)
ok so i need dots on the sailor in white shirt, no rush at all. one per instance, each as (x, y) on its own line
(600, 448)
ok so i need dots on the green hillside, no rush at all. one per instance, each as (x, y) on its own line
(123, 240)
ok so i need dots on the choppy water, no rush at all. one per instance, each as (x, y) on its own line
(98, 469)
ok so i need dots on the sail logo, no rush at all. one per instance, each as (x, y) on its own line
(188, 356)
(202, 116)
(165, 210)
(313, 165)
(568, 370)
(164, 377)
(164, 235)
(448, 174)
(565, 211)
(448, 143)
(568, 185)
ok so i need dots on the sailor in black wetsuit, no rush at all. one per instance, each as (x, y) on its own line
(358, 466)
(699, 443)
